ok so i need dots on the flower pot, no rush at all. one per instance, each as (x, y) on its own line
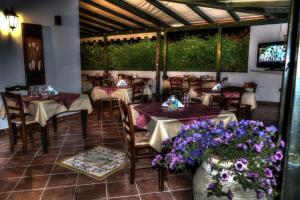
(203, 177)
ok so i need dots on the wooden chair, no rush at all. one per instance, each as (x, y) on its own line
(250, 87)
(176, 87)
(195, 83)
(217, 101)
(136, 141)
(19, 121)
(138, 92)
(17, 89)
(233, 96)
(127, 78)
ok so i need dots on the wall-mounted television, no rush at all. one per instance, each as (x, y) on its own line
(271, 55)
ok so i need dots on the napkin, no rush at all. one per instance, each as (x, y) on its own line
(122, 83)
(217, 87)
(180, 105)
(51, 90)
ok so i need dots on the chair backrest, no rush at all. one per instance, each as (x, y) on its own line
(125, 77)
(138, 92)
(250, 87)
(217, 101)
(176, 83)
(233, 95)
(14, 107)
(195, 83)
(127, 123)
(17, 89)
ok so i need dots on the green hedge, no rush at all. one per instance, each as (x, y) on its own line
(136, 56)
(235, 53)
(92, 57)
(192, 53)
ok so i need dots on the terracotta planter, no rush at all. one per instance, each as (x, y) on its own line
(203, 177)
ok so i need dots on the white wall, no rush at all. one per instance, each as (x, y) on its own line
(61, 44)
(268, 83)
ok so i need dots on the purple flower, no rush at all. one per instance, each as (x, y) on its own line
(258, 147)
(269, 191)
(242, 146)
(239, 165)
(271, 129)
(211, 186)
(244, 161)
(282, 144)
(224, 175)
(278, 168)
(259, 194)
(278, 155)
(252, 175)
(268, 173)
(229, 194)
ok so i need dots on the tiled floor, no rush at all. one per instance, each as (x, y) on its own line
(36, 176)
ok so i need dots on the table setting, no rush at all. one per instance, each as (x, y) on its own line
(164, 120)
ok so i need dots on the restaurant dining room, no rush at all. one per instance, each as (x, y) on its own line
(149, 99)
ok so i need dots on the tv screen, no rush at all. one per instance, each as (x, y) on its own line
(271, 55)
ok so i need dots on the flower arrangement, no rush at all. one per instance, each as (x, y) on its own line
(254, 151)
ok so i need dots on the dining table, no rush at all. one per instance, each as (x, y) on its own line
(122, 93)
(248, 98)
(165, 124)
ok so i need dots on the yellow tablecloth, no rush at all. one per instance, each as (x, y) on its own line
(248, 98)
(164, 128)
(124, 94)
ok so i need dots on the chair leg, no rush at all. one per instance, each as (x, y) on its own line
(54, 122)
(84, 123)
(24, 138)
(44, 138)
(132, 166)
(102, 109)
(11, 138)
(161, 178)
(14, 133)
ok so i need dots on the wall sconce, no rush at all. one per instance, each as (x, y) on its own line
(12, 18)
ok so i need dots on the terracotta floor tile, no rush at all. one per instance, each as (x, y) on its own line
(126, 198)
(62, 180)
(29, 183)
(5, 154)
(4, 195)
(64, 193)
(121, 189)
(146, 173)
(45, 159)
(3, 161)
(183, 194)
(39, 170)
(12, 172)
(148, 185)
(26, 195)
(51, 151)
(179, 182)
(157, 196)
(84, 179)
(71, 150)
(7, 185)
(89, 192)
(60, 169)
(18, 162)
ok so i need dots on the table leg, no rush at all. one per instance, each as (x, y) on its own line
(44, 133)
(84, 122)
(54, 122)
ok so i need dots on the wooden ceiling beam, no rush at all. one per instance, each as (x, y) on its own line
(106, 19)
(202, 14)
(130, 8)
(234, 15)
(169, 12)
(97, 22)
(91, 27)
(110, 11)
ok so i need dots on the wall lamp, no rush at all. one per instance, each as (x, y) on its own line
(12, 18)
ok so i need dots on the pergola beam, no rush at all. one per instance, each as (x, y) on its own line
(108, 10)
(169, 12)
(130, 8)
(100, 17)
(234, 15)
(202, 14)
(97, 22)
(91, 27)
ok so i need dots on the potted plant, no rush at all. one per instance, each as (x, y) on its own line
(239, 161)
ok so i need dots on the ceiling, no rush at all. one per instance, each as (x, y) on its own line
(101, 17)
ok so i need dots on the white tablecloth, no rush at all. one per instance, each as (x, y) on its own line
(2, 111)
(164, 128)
(248, 98)
(124, 94)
